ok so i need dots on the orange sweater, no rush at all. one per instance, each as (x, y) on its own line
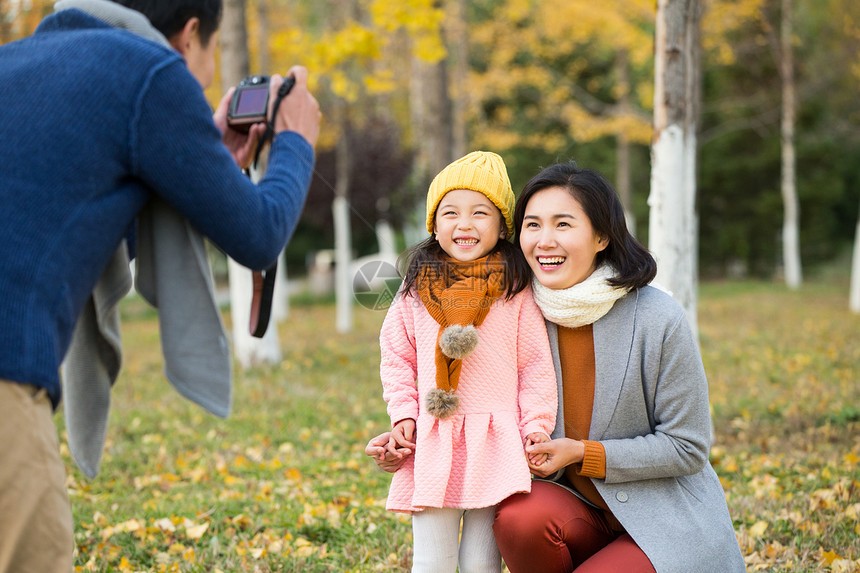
(576, 352)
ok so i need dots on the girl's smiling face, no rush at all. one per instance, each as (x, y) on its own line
(467, 225)
(558, 240)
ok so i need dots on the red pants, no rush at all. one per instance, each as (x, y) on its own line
(550, 530)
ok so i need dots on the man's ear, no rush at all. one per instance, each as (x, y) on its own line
(181, 40)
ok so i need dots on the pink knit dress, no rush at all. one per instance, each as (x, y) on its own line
(507, 390)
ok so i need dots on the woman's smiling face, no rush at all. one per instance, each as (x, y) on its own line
(558, 240)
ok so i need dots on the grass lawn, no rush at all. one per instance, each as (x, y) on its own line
(283, 484)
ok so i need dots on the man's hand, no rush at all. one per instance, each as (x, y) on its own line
(241, 145)
(299, 111)
(388, 461)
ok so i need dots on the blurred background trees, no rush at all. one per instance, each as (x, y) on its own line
(408, 85)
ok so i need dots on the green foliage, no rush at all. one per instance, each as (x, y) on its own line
(380, 166)
(545, 84)
(740, 205)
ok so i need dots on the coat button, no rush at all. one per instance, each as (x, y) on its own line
(621, 496)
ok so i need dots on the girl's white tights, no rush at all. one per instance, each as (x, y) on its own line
(436, 539)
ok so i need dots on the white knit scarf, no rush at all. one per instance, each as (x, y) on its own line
(583, 303)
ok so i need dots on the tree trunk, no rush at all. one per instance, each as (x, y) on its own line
(459, 39)
(672, 224)
(234, 44)
(234, 67)
(249, 350)
(342, 233)
(791, 208)
(6, 19)
(623, 185)
(855, 272)
(263, 38)
(432, 133)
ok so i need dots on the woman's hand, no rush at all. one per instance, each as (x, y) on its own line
(536, 438)
(388, 461)
(560, 453)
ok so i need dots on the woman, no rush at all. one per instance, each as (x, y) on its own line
(631, 489)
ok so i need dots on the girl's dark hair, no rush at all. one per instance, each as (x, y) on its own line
(634, 266)
(429, 252)
(170, 16)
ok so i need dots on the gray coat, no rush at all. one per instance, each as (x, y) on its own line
(652, 417)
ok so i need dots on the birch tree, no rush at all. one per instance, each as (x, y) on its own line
(622, 142)
(342, 230)
(672, 222)
(432, 131)
(235, 66)
(854, 298)
(457, 36)
(791, 205)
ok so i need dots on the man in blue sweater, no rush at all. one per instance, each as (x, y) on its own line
(94, 122)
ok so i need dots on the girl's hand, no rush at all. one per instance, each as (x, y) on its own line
(401, 435)
(387, 461)
(536, 438)
(560, 453)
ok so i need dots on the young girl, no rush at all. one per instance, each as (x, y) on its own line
(466, 370)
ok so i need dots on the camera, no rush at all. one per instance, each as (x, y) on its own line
(249, 104)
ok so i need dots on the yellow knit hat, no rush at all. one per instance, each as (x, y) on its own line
(481, 171)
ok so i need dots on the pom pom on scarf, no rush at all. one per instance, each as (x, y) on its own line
(441, 404)
(458, 342)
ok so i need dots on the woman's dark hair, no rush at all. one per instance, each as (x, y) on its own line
(170, 16)
(634, 266)
(429, 252)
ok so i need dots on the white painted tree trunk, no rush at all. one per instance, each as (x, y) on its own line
(342, 231)
(386, 240)
(281, 298)
(854, 299)
(234, 66)
(673, 227)
(251, 351)
(791, 208)
(342, 264)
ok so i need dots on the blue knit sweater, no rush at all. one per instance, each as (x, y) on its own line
(93, 122)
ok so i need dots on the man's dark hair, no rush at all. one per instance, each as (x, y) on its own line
(170, 16)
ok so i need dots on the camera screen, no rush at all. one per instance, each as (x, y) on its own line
(252, 101)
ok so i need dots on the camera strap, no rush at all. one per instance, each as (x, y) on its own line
(269, 134)
(264, 281)
(261, 300)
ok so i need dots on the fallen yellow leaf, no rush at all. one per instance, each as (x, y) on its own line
(758, 529)
(165, 524)
(196, 531)
(829, 557)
